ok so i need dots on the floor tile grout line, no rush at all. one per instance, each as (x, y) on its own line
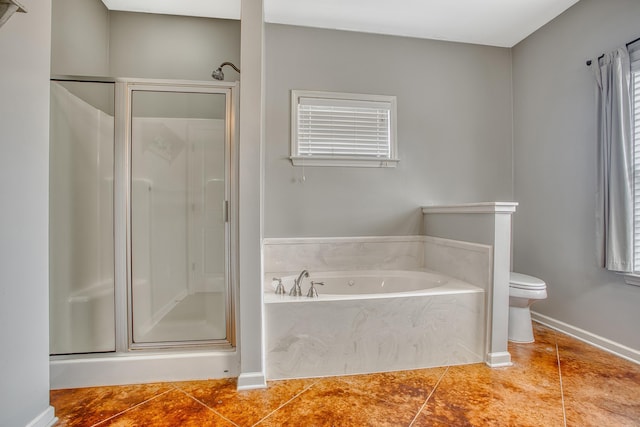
(429, 397)
(564, 411)
(131, 408)
(287, 402)
(206, 406)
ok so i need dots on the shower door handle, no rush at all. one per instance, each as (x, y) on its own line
(225, 211)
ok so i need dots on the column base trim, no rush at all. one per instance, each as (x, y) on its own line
(498, 360)
(252, 381)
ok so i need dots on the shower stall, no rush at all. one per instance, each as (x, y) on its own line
(142, 229)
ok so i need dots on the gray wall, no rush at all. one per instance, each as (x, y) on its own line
(79, 38)
(25, 42)
(454, 130)
(172, 47)
(88, 39)
(554, 163)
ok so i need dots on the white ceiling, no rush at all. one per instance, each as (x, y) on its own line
(489, 22)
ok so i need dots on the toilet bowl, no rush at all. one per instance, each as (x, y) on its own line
(523, 291)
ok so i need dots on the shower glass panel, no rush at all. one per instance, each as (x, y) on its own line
(81, 243)
(178, 193)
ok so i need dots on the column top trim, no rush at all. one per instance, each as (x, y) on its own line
(466, 208)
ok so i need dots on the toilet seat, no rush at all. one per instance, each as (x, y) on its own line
(525, 282)
(527, 294)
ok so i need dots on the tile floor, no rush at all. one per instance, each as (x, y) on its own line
(555, 382)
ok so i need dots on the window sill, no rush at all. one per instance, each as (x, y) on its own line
(352, 162)
(632, 279)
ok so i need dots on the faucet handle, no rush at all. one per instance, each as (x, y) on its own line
(313, 292)
(280, 287)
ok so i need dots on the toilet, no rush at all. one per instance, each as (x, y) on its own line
(523, 291)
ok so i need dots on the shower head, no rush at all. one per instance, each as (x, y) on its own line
(218, 74)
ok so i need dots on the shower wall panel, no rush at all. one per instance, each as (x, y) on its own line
(81, 218)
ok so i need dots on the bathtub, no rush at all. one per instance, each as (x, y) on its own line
(372, 321)
(351, 285)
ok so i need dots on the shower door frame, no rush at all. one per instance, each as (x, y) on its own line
(123, 365)
(122, 204)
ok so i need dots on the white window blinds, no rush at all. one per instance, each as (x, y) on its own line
(635, 120)
(330, 129)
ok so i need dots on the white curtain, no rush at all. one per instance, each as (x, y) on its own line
(614, 204)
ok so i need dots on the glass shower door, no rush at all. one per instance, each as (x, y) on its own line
(179, 160)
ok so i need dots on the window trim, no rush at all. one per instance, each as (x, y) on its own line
(347, 161)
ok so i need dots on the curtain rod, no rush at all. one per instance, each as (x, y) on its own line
(602, 56)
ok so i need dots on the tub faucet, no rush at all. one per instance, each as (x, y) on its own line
(296, 290)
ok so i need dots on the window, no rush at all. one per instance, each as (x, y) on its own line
(343, 129)
(634, 54)
(635, 120)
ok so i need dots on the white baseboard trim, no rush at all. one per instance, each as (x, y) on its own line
(588, 337)
(46, 419)
(498, 360)
(251, 381)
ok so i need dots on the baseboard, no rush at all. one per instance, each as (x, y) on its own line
(251, 381)
(498, 360)
(46, 419)
(588, 337)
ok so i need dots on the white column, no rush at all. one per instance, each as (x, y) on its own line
(250, 205)
(498, 329)
(25, 43)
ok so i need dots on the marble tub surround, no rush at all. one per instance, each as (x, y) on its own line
(556, 381)
(344, 253)
(312, 338)
(318, 338)
(470, 262)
